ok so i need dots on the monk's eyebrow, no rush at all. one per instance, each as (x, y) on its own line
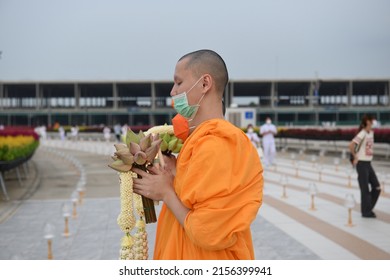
(176, 78)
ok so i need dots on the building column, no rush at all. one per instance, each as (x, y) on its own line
(226, 96)
(388, 94)
(276, 117)
(131, 120)
(115, 96)
(38, 96)
(153, 95)
(231, 94)
(349, 93)
(273, 94)
(311, 94)
(1, 96)
(76, 92)
(151, 120)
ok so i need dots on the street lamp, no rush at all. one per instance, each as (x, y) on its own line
(293, 156)
(382, 177)
(49, 235)
(66, 215)
(349, 203)
(312, 190)
(284, 182)
(81, 189)
(313, 160)
(349, 173)
(301, 153)
(319, 169)
(336, 162)
(297, 163)
(74, 198)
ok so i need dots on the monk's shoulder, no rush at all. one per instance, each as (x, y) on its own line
(221, 132)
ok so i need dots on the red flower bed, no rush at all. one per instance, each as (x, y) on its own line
(381, 135)
(19, 130)
(99, 129)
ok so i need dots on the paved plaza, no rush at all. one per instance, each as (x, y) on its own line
(285, 227)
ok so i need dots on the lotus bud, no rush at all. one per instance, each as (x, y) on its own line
(145, 142)
(152, 151)
(114, 157)
(127, 159)
(140, 158)
(120, 166)
(119, 147)
(155, 137)
(134, 148)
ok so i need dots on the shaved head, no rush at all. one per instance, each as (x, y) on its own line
(208, 62)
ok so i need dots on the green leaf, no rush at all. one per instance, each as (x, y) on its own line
(131, 137)
(178, 148)
(166, 137)
(164, 146)
(172, 144)
(141, 134)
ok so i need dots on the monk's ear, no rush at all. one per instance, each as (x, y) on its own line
(207, 82)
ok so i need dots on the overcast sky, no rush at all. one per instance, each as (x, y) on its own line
(46, 40)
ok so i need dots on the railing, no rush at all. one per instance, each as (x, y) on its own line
(10, 165)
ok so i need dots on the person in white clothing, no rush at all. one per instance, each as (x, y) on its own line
(252, 135)
(255, 139)
(61, 131)
(125, 128)
(107, 133)
(362, 151)
(268, 132)
(74, 131)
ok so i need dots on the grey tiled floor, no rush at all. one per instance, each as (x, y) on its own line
(95, 233)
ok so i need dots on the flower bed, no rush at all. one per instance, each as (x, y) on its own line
(98, 129)
(381, 135)
(17, 143)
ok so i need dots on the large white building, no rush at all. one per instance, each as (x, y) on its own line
(298, 102)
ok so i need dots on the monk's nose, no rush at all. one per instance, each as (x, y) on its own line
(173, 92)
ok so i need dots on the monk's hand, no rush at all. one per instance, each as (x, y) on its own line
(155, 185)
(170, 163)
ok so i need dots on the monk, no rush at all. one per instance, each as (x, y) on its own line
(212, 193)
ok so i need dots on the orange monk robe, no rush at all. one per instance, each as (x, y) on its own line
(219, 177)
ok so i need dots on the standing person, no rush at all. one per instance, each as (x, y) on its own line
(61, 131)
(213, 192)
(107, 133)
(125, 128)
(252, 135)
(268, 132)
(255, 139)
(118, 132)
(361, 148)
(74, 131)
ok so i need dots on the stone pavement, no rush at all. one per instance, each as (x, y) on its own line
(284, 228)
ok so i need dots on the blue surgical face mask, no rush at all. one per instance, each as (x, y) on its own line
(180, 103)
